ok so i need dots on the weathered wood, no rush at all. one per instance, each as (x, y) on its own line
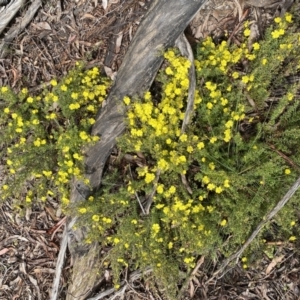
(8, 13)
(162, 25)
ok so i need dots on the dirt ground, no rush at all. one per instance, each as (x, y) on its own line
(99, 32)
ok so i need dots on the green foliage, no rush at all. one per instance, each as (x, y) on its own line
(175, 194)
(212, 184)
(43, 136)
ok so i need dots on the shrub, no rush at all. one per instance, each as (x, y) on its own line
(43, 136)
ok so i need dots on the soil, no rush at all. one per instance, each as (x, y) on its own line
(99, 32)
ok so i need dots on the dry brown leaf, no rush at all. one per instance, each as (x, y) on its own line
(273, 263)
(88, 16)
(119, 42)
(42, 26)
(104, 4)
(4, 250)
(109, 72)
(192, 289)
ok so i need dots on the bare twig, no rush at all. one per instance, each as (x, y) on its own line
(150, 197)
(186, 50)
(59, 265)
(191, 276)
(134, 276)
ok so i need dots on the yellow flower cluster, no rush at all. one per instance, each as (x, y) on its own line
(54, 126)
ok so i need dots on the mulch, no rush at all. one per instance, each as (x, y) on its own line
(62, 33)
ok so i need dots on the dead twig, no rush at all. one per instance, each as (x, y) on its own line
(59, 265)
(134, 276)
(186, 50)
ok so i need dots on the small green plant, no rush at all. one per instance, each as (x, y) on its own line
(44, 136)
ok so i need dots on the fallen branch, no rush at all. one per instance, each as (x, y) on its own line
(8, 12)
(7, 15)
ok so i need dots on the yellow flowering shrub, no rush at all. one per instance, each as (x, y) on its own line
(191, 193)
(42, 136)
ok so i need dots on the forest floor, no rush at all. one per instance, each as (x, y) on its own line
(60, 34)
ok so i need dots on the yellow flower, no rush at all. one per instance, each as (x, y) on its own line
(287, 171)
(35, 122)
(290, 96)
(213, 140)
(155, 228)
(288, 18)
(47, 173)
(245, 79)
(277, 20)
(82, 210)
(53, 82)
(219, 190)
(5, 187)
(74, 106)
(211, 186)
(209, 105)
(226, 183)
(4, 89)
(235, 75)
(247, 32)
(172, 189)
(160, 189)
(149, 177)
(292, 238)
(200, 145)
(29, 100)
(6, 110)
(256, 46)
(95, 218)
(183, 138)
(223, 223)
(189, 149)
(212, 166)
(126, 100)
(277, 33)
(169, 71)
(64, 88)
(83, 135)
(52, 116)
